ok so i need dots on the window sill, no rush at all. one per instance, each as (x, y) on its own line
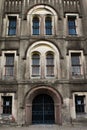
(8, 78)
(81, 116)
(42, 35)
(35, 77)
(73, 36)
(77, 76)
(5, 115)
(51, 76)
(11, 35)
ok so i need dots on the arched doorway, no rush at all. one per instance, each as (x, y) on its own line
(44, 95)
(43, 109)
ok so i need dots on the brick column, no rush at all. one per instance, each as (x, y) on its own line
(83, 4)
(58, 117)
(1, 14)
(28, 116)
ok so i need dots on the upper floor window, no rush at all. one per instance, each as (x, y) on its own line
(50, 65)
(43, 60)
(35, 26)
(76, 63)
(12, 25)
(9, 65)
(72, 25)
(48, 26)
(39, 27)
(35, 65)
(43, 20)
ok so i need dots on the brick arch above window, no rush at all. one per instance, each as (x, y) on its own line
(47, 44)
(46, 26)
(49, 52)
(47, 66)
(37, 8)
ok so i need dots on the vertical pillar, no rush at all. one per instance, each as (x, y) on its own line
(20, 106)
(42, 25)
(1, 14)
(1, 5)
(58, 117)
(28, 114)
(83, 8)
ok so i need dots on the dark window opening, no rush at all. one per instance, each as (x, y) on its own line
(35, 65)
(79, 104)
(76, 63)
(9, 65)
(50, 65)
(7, 104)
(48, 26)
(72, 25)
(12, 25)
(35, 26)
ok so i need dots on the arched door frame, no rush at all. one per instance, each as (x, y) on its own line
(43, 109)
(43, 90)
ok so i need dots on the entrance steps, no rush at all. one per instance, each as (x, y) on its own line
(43, 127)
(7, 120)
(80, 121)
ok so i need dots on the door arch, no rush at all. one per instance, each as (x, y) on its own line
(41, 90)
(43, 109)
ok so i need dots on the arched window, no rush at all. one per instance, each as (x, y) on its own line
(48, 25)
(35, 26)
(35, 65)
(43, 60)
(49, 65)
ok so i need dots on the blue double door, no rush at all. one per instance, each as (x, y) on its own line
(43, 110)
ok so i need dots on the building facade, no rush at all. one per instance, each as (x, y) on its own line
(43, 61)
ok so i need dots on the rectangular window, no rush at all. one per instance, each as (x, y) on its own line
(35, 26)
(7, 104)
(12, 25)
(76, 63)
(50, 65)
(48, 25)
(35, 65)
(9, 65)
(79, 104)
(72, 25)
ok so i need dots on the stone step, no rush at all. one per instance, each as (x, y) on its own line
(79, 121)
(7, 120)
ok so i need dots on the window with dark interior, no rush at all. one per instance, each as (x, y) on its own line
(79, 104)
(12, 25)
(35, 65)
(9, 65)
(7, 104)
(48, 25)
(35, 26)
(72, 25)
(76, 63)
(49, 65)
